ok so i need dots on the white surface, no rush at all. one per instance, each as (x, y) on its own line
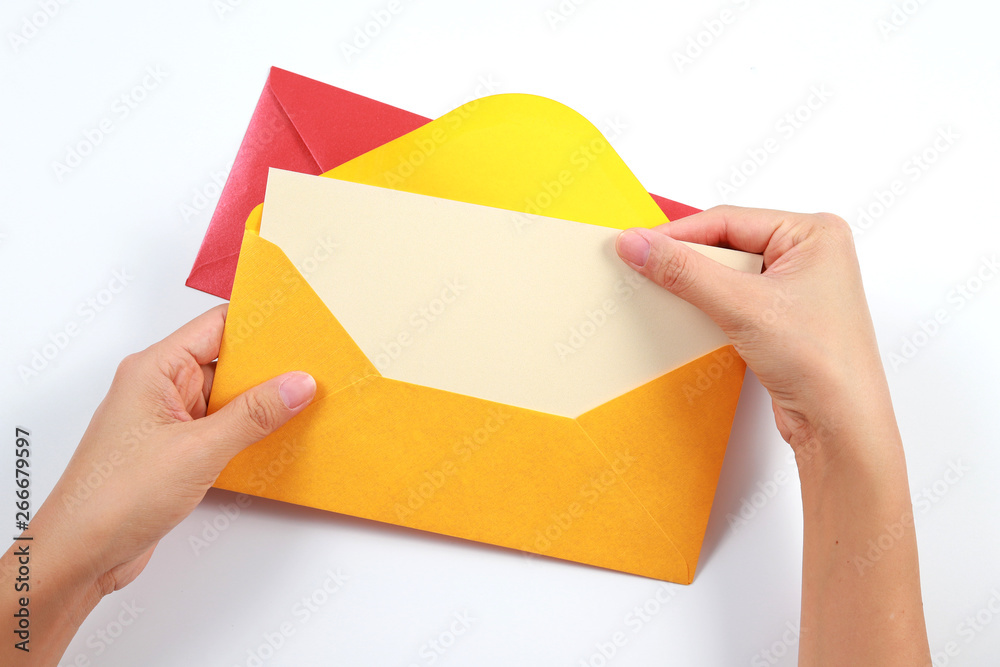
(450, 295)
(681, 132)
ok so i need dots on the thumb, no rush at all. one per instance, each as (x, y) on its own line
(258, 412)
(712, 287)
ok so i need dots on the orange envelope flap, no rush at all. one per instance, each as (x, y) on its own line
(627, 486)
(513, 151)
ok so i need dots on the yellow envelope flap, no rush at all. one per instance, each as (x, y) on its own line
(517, 152)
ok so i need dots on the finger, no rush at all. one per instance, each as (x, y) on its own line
(208, 370)
(201, 337)
(256, 413)
(747, 229)
(198, 405)
(714, 288)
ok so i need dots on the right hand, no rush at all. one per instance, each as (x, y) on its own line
(803, 325)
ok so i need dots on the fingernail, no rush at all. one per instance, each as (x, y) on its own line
(633, 248)
(297, 389)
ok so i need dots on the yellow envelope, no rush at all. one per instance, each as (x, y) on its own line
(626, 484)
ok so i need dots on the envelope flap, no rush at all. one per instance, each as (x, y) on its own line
(517, 152)
(276, 320)
(337, 125)
(674, 209)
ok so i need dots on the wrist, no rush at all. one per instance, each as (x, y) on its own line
(868, 440)
(859, 455)
(72, 574)
(77, 554)
(845, 415)
(43, 573)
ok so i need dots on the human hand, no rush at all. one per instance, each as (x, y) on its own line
(163, 452)
(802, 326)
(145, 461)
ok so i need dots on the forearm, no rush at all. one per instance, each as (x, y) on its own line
(861, 602)
(45, 572)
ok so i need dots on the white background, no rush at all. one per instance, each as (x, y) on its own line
(687, 126)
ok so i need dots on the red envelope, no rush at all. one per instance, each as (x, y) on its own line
(310, 127)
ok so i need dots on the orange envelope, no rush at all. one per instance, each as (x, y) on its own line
(625, 484)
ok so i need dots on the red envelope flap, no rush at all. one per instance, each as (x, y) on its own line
(302, 125)
(674, 210)
(337, 125)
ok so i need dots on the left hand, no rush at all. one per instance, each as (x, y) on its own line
(155, 452)
(145, 461)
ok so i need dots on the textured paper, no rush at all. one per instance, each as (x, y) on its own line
(451, 295)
